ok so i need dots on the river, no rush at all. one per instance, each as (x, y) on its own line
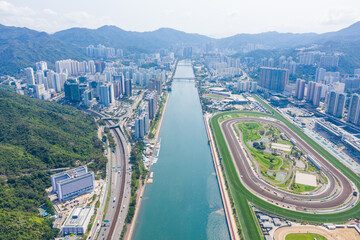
(184, 200)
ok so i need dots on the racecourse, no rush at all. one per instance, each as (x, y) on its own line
(242, 196)
(267, 191)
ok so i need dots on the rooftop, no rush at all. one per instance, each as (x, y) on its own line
(72, 172)
(77, 217)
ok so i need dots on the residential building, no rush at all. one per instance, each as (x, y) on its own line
(300, 89)
(39, 90)
(30, 79)
(141, 125)
(273, 78)
(354, 109)
(336, 104)
(152, 103)
(329, 61)
(107, 97)
(128, 88)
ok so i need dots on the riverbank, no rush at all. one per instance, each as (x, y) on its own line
(129, 234)
(221, 181)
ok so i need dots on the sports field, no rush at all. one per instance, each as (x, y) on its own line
(241, 196)
(304, 236)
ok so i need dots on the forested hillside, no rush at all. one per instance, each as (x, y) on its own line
(36, 136)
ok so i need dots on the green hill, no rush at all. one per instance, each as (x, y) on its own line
(36, 136)
(23, 47)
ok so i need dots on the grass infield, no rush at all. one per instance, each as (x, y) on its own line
(243, 196)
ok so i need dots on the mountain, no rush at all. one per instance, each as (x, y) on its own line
(22, 47)
(351, 33)
(290, 40)
(35, 136)
(268, 39)
(129, 40)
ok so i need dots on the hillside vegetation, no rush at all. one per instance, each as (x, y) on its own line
(22, 47)
(36, 136)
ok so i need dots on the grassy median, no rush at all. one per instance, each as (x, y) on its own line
(242, 196)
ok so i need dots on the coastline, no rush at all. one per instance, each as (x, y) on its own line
(129, 233)
(230, 218)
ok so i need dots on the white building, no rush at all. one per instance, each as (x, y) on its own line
(142, 125)
(107, 97)
(72, 183)
(39, 90)
(30, 76)
(78, 220)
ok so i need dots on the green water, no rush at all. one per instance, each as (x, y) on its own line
(184, 201)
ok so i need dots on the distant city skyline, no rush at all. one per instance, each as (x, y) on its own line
(212, 18)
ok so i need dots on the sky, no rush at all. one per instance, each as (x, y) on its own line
(214, 18)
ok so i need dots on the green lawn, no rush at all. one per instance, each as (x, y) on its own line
(241, 195)
(304, 236)
(301, 188)
(249, 132)
(215, 96)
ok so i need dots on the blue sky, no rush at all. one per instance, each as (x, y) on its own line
(216, 18)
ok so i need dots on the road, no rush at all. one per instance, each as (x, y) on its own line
(116, 212)
(255, 185)
(120, 171)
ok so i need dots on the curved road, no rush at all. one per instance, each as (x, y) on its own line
(253, 183)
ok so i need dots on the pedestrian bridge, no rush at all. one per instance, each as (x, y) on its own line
(187, 78)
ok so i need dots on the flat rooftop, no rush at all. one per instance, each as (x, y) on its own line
(77, 217)
(72, 172)
(305, 179)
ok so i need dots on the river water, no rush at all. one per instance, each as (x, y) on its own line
(184, 200)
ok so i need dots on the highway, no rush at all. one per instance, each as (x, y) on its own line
(119, 178)
(251, 180)
(120, 181)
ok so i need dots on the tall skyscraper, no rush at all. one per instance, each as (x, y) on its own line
(340, 104)
(141, 125)
(72, 92)
(317, 95)
(128, 88)
(329, 61)
(30, 79)
(107, 97)
(88, 97)
(39, 90)
(336, 104)
(332, 99)
(40, 78)
(300, 89)
(354, 109)
(158, 86)
(152, 100)
(310, 91)
(119, 85)
(41, 66)
(320, 74)
(273, 78)
(307, 58)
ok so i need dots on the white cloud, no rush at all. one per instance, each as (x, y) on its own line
(49, 12)
(234, 13)
(9, 9)
(47, 19)
(339, 17)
